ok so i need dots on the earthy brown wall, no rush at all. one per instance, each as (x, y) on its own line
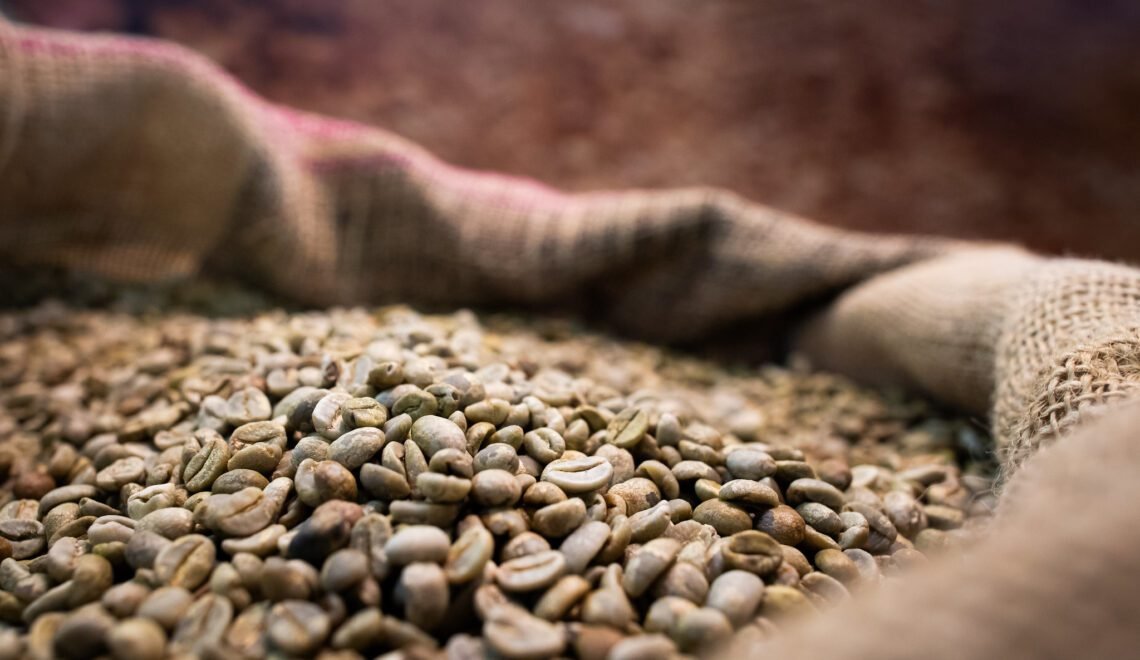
(1015, 119)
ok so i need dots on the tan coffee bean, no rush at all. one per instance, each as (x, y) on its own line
(432, 433)
(648, 563)
(344, 569)
(442, 488)
(469, 555)
(82, 633)
(782, 523)
(518, 635)
(823, 519)
(143, 548)
(856, 530)
(942, 517)
(702, 627)
(814, 490)
(726, 518)
(664, 613)
(123, 600)
(288, 579)
(206, 465)
(650, 524)
(581, 475)
(628, 428)
(247, 405)
(136, 639)
(130, 469)
(825, 587)
(328, 418)
(318, 482)
(494, 487)
(583, 544)
(905, 513)
(643, 647)
(423, 513)
(359, 631)
(544, 445)
(186, 562)
(423, 591)
(383, 482)
(685, 580)
(561, 597)
(737, 594)
(165, 605)
(638, 494)
(531, 572)
(422, 543)
(753, 551)
(818, 540)
(297, 627)
(750, 463)
(796, 559)
(497, 456)
(171, 522)
(524, 543)
(558, 520)
(837, 565)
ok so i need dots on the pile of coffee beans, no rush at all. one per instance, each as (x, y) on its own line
(352, 483)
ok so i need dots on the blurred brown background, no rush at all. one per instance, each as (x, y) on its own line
(1017, 119)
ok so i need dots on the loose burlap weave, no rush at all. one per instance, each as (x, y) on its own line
(137, 159)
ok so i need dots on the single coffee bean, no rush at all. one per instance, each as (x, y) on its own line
(186, 562)
(171, 522)
(123, 600)
(701, 628)
(432, 433)
(825, 587)
(422, 543)
(544, 445)
(558, 520)
(750, 463)
(166, 606)
(469, 555)
(383, 482)
(582, 475)
(524, 543)
(814, 490)
(322, 481)
(495, 487)
(343, 569)
(297, 627)
(782, 523)
(137, 639)
(643, 647)
(838, 565)
(753, 551)
(737, 594)
(638, 493)
(726, 518)
(561, 597)
(206, 465)
(648, 563)
(820, 517)
(627, 428)
(518, 635)
(236, 479)
(583, 544)
(531, 572)
(442, 488)
(422, 589)
(328, 418)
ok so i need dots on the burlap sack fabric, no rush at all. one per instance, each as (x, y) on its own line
(138, 159)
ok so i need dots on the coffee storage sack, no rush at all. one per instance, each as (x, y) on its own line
(139, 160)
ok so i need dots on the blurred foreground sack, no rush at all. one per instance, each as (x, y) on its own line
(137, 159)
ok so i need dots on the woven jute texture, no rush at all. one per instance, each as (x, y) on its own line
(137, 159)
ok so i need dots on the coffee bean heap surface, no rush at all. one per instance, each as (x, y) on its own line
(353, 483)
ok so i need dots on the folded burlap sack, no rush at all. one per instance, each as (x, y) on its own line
(138, 159)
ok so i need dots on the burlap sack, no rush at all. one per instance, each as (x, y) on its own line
(138, 159)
